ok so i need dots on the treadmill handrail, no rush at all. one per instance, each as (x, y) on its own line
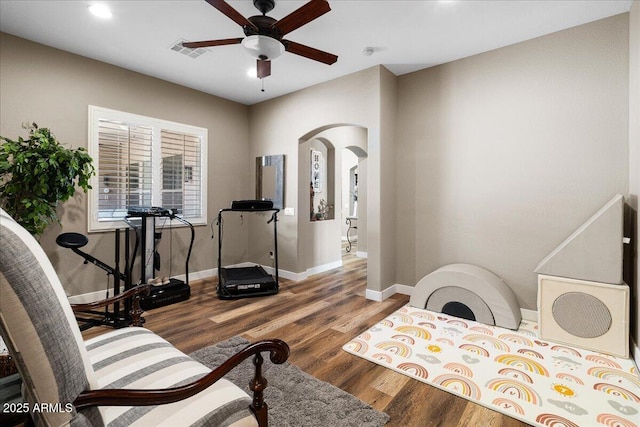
(193, 236)
(274, 218)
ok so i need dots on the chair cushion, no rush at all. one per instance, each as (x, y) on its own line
(37, 323)
(136, 358)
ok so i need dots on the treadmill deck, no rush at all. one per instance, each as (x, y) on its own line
(242, 282)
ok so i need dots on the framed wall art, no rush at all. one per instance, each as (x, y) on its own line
(316, 171)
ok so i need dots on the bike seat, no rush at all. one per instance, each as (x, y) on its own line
(72, 240)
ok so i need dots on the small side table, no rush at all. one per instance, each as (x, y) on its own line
(350, 221)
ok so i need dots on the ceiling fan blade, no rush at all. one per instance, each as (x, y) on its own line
(263, 68)
(302, 16)
(309, 52)
(231, 13)
(207, 43)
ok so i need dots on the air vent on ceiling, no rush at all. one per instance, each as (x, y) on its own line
(193, 53)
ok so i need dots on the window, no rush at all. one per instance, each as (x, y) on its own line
(141, 161)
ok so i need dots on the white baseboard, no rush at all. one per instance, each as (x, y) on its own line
(404, 289)
(296, 277)
(271, 270)
(283, 273)
(530, 315)
(379, 296)
(388, 292)
(90, 297)
(197, 275)
(322, 268)
(204, 274)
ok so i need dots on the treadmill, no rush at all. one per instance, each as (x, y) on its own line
(254, 281)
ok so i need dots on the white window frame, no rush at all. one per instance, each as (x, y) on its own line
(97, 113)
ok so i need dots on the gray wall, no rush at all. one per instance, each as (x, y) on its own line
(54, 88)
(503, 155)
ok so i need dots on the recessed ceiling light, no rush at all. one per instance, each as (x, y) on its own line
(100, 10)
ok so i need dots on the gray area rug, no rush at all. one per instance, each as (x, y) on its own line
(295, 398)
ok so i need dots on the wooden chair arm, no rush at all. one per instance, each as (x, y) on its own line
(135, 292)
(279, 353)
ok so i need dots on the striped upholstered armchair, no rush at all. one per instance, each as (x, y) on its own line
(125, 377)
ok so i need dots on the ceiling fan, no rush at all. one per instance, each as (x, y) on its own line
(264, 34)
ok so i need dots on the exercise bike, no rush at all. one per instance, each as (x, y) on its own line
(118, 318)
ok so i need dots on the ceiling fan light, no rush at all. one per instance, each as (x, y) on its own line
(263, 47)
(100, 10)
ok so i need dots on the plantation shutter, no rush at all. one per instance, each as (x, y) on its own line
(181, 170)
(143, 162)
(124, 168)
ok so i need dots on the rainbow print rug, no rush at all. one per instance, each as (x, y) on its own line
(512, 372)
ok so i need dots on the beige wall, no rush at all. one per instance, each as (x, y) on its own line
(634, 158)
(385, 178)
(54, 88)
(503, 155)
(323, 238)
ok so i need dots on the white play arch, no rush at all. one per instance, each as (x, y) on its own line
(470, 289)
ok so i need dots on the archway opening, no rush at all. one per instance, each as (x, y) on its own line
(328, 194)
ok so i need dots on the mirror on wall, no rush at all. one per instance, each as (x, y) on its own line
(270, 179)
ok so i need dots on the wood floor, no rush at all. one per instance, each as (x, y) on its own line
(316, 317)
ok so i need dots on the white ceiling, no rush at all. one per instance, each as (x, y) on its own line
(406, 36)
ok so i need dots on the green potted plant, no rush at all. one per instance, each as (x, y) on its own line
(38, 173)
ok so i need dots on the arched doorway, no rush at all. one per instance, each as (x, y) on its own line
(354, 206)
(320, 202)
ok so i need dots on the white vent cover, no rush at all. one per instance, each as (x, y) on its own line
(192, 53)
